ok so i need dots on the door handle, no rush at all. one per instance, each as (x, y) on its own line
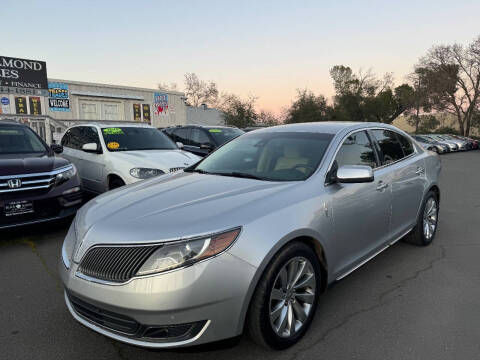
(420, 171)
(381, 186)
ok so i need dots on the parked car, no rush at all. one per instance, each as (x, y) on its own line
(35, 185)
(452, 145)
(202, 140)
(110, 156)
(462, 145)
(473, 143)
(249, 237)
(431, 145)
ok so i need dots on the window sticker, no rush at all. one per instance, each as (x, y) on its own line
(113, 145)
(10, 132)
(215, 130)
(113, 131)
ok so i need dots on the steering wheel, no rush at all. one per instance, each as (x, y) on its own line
(304, 166)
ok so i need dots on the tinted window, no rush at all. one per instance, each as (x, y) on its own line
(222, 135)
(390, 147)
(19, 140)
(356, 150)
(407, 145)
(66, 139)
(74, 138)
(90, 135)
(199, 137)
(181, 135)
(274, 156)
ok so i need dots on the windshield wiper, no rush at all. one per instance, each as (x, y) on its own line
(240, 175)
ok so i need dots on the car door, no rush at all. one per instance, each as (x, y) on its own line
(201, 142)
(361, 211)
(408, 181)
(93, 163)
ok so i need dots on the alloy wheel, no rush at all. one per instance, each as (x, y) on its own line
(430, 216)
(292, 296)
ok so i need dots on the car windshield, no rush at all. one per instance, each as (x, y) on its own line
(271, 156)
(19, 140)
(223, 135)
(136, 138)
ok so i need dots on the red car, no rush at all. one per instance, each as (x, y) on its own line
(475, 143)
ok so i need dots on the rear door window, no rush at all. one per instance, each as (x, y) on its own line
(390, 147)
(181, 135)
(407, 145)
(199, 137)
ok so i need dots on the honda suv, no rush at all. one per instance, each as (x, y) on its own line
(35, 185)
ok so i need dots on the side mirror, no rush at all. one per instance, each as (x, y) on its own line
(206, 146)
(180, 145)
(57, 149)
(354, 174)
(90, 148)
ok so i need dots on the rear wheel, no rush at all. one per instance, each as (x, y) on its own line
(424, 232)
(286, 298)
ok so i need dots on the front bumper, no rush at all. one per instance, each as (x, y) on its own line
(211, 293)
(53, 204)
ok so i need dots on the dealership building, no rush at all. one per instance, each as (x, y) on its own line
(50, 106)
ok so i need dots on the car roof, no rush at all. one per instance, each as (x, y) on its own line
(110, 125)
(329, 127)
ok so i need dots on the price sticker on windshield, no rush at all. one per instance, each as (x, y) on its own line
(113, 145)
(113, 131)
(215, 130)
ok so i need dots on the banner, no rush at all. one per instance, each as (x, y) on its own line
(21, 105)
(35, 105)
(4, 105)
(160, 103)
(137, 113)
(22, 74)
(146, 112)
(58, 97)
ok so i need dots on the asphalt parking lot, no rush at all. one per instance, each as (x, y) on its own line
(408, 303)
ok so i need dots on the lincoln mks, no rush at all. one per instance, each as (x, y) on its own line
(248, 238)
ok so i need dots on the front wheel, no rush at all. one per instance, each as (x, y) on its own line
(286, 298)
(424, 231)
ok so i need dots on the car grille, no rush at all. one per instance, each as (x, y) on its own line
(103, 317)
(26, 182)
(115, 264)
(174, 169)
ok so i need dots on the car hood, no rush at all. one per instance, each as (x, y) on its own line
(158, 159)
(18, 164)
(175, 206)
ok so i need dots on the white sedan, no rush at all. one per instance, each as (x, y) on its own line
(110, 156)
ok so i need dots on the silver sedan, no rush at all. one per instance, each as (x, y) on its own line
(248, 238)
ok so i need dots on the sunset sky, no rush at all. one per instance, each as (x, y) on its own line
(263, 48)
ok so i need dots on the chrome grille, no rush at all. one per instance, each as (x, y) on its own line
(174, 169)
(24, 182)
(115, 264)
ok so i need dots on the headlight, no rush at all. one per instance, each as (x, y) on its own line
(69, 245)
(145, 173)
(171, 256)
(65, 175)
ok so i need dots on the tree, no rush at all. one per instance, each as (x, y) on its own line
(452, 76)
(200, 92)
(167, 87)
(307, 107)
(266, 118)
(364, 97)
(238, 112)
(446, 130)
(421, 102)
(424, 124)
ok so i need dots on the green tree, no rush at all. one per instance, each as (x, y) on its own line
(452, 76)
(307, 107)
(424, 123)
(238, 112)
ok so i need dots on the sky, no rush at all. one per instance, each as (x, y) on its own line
(262, 48)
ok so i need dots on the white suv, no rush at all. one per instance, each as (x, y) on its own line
(110, 156)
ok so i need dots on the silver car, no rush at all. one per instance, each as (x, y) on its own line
(248, 238)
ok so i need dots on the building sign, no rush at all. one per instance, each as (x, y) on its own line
(21, 105)
(137, 112)
(35, 105)
(23, 76)
(4, 105)
(160, 103)
(146, 112)
(58, 97)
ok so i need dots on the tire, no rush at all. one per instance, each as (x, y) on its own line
(115, 183)
(419, 235)
(260, 324)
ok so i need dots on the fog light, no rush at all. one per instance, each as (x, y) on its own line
(72, 190)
